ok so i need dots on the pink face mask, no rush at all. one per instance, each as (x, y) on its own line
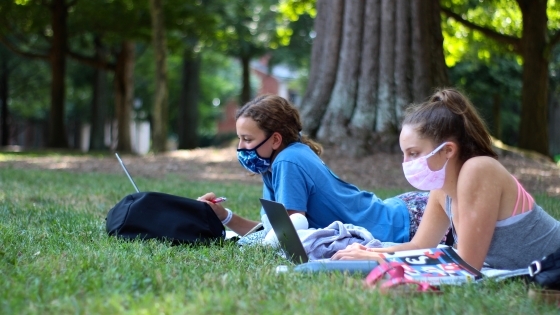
(421, 176)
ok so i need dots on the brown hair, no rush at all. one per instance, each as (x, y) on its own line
(273, 113)
(449, 115)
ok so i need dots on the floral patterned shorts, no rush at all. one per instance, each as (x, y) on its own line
(416, 202)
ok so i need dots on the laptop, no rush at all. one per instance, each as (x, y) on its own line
(285, 231)
(293, 248)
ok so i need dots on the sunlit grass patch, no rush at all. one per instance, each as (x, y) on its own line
(56, 258)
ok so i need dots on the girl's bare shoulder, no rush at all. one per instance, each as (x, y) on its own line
(483, 167)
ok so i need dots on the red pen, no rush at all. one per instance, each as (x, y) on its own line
(219, 199)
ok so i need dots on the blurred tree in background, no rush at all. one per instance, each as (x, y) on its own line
(530, 29)
(69, 63)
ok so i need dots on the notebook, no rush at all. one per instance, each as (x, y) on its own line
(293, 248)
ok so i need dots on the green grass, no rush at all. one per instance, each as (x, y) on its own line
(55, 258)
(14, 155)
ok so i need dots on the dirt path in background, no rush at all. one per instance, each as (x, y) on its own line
(382, 170)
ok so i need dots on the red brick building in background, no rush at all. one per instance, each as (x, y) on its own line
(271, 81)
(226, 124)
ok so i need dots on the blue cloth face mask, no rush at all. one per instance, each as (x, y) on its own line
(252, 161)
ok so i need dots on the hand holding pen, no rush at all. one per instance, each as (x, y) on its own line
(223, 214)
(210, 197)
(218, 199)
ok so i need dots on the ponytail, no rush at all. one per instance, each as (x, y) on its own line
(449, 115)
(315, 146)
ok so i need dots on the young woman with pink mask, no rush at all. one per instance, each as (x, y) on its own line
(447, 149)
(271, 145)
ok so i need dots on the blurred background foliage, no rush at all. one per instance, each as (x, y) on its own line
(224, 33)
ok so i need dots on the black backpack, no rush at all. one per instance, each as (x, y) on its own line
(147, 215)
(546, 272)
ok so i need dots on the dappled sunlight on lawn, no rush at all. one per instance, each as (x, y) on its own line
(537, 172)
(206, 155)
(213, 164)
(373, 172)
(537, 177)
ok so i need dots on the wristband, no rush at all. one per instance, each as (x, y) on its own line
(228, 218)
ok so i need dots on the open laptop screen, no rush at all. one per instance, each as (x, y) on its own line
(285, 231)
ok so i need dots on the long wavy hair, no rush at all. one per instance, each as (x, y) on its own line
(273, 113)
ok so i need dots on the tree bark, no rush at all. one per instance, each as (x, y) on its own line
(391, 55)
(439, 75)
(124, 95)
(554, 126)
(429, 70)
(98, 102)
(319, 26)
(160, 110)
(533, 127)
(386, 93)
(420, 73)
(315, 101)
(4, 76)
(56, 137)
(246, 81)
(343, 97)
(363, 121)
(188, 106)
(403, 59)
(497, 117)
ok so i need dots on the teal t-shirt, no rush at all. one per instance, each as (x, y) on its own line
(300, 180)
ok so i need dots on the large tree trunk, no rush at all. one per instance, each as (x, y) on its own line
(429, 69)
(533, 127)
(4, 130)
(343, 97)
(403, 44)
(246, 81)
(98, 103)
(57, 131)
(320, 23)
(384, 56)
(188, 106)
(497, 117)
(554, 118)
(363, 119)
(124, 95)
(386, 89)
(324, 65)
(160, 109)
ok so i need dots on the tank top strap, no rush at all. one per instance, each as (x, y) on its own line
(448, 207)
(524, 196)
(450, 216)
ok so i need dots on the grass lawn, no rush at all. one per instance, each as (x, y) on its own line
(55, 258)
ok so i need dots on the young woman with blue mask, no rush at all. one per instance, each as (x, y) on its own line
(447, 149)
(271, 144)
